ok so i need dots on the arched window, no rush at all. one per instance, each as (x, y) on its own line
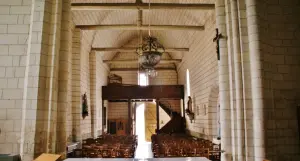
(188, 87)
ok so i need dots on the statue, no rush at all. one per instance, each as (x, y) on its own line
(189, 110)
(85, 111)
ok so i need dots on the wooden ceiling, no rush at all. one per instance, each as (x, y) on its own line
(121, 38)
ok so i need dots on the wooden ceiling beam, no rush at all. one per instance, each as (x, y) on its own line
(133, 49)
(137, 27)
(139, 6)
(136, 69)
(135, 61)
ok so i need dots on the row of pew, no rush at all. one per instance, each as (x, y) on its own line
(107, 146)
(180, 145)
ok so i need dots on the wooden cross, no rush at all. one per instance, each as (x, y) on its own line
(216, 39)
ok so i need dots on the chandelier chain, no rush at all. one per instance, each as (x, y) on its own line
(149, 30)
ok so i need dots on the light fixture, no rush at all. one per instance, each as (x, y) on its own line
(150, 52)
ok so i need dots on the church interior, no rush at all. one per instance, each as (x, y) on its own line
(205, 80)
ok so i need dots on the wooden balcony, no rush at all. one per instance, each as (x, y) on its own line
(119, 92)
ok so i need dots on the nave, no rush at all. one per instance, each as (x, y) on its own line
(226, 71)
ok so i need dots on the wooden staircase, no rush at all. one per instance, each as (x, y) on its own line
(176, 124)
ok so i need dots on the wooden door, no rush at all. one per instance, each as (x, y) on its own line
(150, 120)
(121, 126)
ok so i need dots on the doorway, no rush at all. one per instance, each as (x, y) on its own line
(144, 147)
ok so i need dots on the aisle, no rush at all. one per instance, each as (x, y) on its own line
(143, 151)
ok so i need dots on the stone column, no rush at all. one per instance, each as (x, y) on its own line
(52, 74)
(64, 83)
(231, 80)
(93, 82)
(236, 52)
(256, 62)
(76, 106)
(38, 97)
(246, 80)
(224, 83)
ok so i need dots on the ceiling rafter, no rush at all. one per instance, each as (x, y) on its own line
(142, 27)
(136, 69)
(133, 49)
(134, 61)
(139, 6)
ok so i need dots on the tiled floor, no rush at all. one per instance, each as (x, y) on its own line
(132, 159)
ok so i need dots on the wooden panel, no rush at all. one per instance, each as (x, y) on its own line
(104, 116)
(117, 126)
(150, 120)
(143, 92)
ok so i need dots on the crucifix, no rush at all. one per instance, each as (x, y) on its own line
(216, 39)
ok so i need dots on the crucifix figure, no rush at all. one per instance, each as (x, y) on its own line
(216, 39)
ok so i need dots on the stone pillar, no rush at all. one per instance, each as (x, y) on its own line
(38, 97)
(256, 62)
(76, 106)
(51, 81)
(231, 80)
(236, 52)
(225, 118)
(93, 82)
(64, 83)
(246, 80)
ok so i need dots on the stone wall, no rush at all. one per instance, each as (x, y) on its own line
(101, 80)
(280, 35)
(258, 89)
(86, 41)
(45, 68)
(202, 63)
(164, 77)
(118, 110)
(76, 90)
(167, 77)
(14, 32)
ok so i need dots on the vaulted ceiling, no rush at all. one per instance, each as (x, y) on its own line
(128, 38)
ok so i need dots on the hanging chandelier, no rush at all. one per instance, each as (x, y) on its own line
(150, 53)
